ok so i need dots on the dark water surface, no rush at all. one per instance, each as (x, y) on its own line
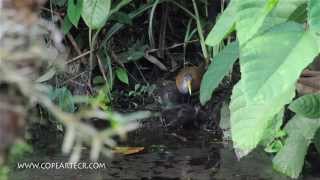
(185, 155)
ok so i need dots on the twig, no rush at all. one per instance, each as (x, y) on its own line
(141, 73)
(72, 78)
(103, 72)
(78, 57)
(75, 45)
(172, 46)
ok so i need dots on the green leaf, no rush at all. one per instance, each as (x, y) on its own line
(74, 11)
(223, 26)
(134, 53)
(299, 14)
(307, 105)
(250, 120)
(250, 17)
(122, 75)
(66, 26)
(285, 9)
(274, 147)
(98, 80)
(273, 129)
(64, 99)
(95, 12)
(221, 65)
(270, 65)
(314, 15)
(272, 62)
(281, 13)
(290, 159)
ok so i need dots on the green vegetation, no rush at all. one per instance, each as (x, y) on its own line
(272, 41)
(275, 46)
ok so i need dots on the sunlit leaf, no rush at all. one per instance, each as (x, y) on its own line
(95, 12)
(250, 17)
(314, 15)
(270, 65)
(283, 12)
(250, 120)
(272, 62)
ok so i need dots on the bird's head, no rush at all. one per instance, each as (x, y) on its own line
(186, 85)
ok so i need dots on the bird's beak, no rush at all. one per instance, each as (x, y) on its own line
(189, 87)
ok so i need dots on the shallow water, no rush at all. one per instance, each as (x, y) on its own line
(186, 155)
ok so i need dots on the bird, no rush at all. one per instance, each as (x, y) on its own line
(188, 79)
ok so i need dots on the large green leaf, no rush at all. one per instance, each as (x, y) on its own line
(74, 11)
(223, 26)
(250, 17)
(272, 62)
(290, 159)
(270, 65)
(307, 105)
(285, 9)
(314, 15)
(283, 12)
(250, 120)
(95, 12)
(220, 66)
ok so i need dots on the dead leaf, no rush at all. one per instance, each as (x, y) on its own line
(127, 150)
